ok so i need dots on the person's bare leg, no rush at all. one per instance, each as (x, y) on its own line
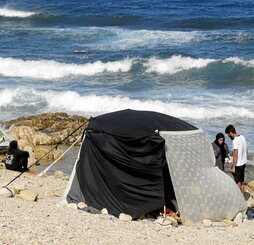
(239, 186)
(242, 186)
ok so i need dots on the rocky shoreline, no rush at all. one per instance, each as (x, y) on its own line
(38, 134)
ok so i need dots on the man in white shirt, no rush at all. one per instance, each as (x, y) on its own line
(239, 155)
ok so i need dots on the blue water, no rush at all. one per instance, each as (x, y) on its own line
(190, 59)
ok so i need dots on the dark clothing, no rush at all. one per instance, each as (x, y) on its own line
(16, 159)
(221, 152)
(239, 173)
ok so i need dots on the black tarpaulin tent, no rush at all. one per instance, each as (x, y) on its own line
(122, 164)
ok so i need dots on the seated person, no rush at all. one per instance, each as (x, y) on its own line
(16, 159)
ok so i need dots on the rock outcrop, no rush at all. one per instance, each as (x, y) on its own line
(36, 134)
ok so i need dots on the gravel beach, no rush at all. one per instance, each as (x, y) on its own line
(42, 222)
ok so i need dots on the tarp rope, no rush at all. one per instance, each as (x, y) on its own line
(46, 169)
(55, 147)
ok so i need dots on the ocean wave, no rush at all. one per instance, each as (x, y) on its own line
(238, 61)
(175, 64)
(91, 105)
(5, 12)
(74, 20)
(50, 69)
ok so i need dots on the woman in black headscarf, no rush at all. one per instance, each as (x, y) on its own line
(221, 151)
(15, 158)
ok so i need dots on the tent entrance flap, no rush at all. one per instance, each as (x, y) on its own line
(202, 190)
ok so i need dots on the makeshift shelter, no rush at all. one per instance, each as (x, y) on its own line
(4, 141)
(135, 162)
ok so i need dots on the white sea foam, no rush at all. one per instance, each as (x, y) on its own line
(175, 64)
(15, 13)
(6, 97)
(70, 101)
(49, 69)
(126, 39)
(238, 61)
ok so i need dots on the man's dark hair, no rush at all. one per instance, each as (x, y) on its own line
(230, 128)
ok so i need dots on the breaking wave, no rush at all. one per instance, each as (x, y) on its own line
(238, 61)
(5, 12)
(50, 69)
(175, 64)
(91, 105)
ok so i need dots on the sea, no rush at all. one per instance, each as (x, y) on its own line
(191, 59)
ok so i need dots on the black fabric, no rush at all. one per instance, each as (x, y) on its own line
(137, 124)
(122, 164)
(16, 159)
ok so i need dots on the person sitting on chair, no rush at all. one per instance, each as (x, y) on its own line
(16, 159)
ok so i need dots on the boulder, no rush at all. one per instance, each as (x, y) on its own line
(46, 129)
(31, 158)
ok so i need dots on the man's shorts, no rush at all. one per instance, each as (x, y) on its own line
(239, 173)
